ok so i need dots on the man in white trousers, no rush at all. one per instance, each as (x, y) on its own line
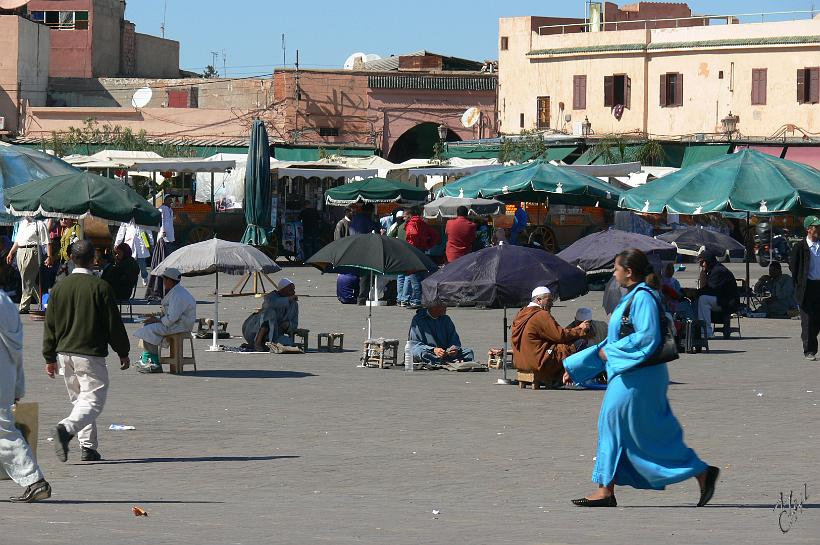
(82, 320)
(16, 458)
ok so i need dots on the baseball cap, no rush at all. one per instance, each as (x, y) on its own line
(811, 220)
(172, 273)
(540, 291)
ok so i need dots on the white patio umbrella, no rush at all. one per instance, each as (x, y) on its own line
(217, 256)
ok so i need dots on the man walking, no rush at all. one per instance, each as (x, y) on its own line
(16, 458)
(30, 235)
(82, 319)
(804, 263)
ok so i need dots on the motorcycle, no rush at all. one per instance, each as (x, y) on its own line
(771, 246)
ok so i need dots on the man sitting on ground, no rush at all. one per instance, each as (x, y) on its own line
(434, 339)
(539, 343)
(781, 292)
(276, 321)
(178, 316)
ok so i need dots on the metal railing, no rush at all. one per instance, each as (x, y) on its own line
(706, 20)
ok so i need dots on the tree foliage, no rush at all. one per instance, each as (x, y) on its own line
(528, 145)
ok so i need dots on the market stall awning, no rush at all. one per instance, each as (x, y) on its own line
(182, 164)
(697, 154)
(293, 172)
(776, 151)
(614, 170)
(450, 171)
(559, 153)
(375, 190)
(806, 155)
(313, 153)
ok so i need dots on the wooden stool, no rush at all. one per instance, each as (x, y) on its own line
(380, 352)
(303, 335)
(536, 379)
(176, 359)
(334, 342)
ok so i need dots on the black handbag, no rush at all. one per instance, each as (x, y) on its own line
(668, 349)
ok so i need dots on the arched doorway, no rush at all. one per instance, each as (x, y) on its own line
(418, 142)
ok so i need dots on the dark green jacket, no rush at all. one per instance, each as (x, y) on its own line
(83, 318)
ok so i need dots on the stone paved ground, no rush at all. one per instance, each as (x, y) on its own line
(310, 449)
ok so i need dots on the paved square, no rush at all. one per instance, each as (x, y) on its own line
(293, 449)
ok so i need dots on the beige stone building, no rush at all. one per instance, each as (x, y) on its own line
(663, 82)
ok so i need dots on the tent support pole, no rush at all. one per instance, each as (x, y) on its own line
(504, 380)
(748, 302)
(215, 347)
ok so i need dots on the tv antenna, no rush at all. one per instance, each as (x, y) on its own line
(284, 52)
(164, 12)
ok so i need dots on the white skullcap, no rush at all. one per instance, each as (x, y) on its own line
(284, 283)
(583, 314)
(539, 291)
(400, 214)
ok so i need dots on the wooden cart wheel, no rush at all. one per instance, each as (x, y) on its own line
(199, 234)
(545, 237)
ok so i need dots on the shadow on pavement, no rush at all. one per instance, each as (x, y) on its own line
(144, 502)
(713, 351)
(769, 506)
(249, 373)
(184, 459)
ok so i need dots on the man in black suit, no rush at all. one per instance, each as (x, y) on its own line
(804, 264)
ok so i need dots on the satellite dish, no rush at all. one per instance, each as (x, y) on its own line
(351, 60)
(141, 97)
(470, 117)
(372, 57)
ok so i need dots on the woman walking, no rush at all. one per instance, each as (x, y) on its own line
(640, 442)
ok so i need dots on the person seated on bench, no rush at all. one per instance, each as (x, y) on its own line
(434, 339)
(178, 316)
(717, 291)
(539, 343)
(276, 321)
(123, 273)
(781, 289)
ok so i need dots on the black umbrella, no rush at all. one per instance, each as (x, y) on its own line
(596, 252)
(505, 276)
(692, 240)
(373, 253)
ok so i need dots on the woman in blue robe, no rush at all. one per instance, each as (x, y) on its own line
(640, 442)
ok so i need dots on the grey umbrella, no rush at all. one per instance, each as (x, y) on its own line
(217, 256)
(446, 207)
(19, 165)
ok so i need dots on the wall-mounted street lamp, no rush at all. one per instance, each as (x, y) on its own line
(442, 132)
(586, 127)
(730, 124)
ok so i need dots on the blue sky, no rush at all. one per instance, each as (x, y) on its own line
(327, 31)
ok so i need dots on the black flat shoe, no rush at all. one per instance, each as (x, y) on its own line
(61, 440)
(90, 455)
(709, 486)
(40, 490)
(603, 502)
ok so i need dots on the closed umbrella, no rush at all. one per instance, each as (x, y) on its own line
(81, 195)
(217, 256)
(505, 276)
(257, 203)
(596, 253)
(693, 240)
(373, 253)
(446, 207)
(375, 190)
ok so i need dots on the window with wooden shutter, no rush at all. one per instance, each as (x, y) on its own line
(521, 120)
(505, 43)
(609, 91)
(579, 93)
(678, 90)
(543, 112)
(813, 83)
(663, 99)
(671, 90)
(627, 92)
(801, 86)
(759, 77)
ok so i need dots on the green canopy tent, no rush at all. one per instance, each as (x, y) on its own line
(749, 182)
(535, 182)
(375, 190)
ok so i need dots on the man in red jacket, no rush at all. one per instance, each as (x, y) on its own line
(460, 235)
(423, 237)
